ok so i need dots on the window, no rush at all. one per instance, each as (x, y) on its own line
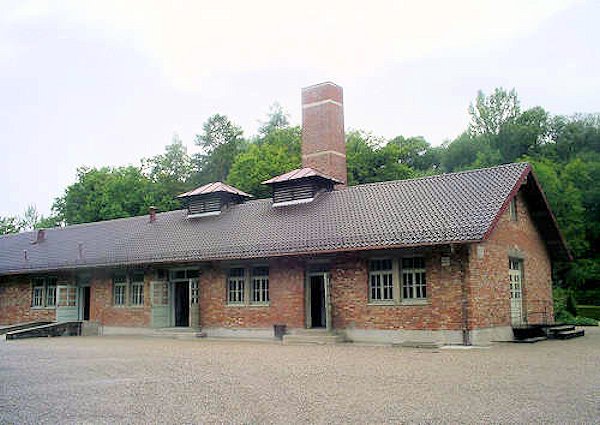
(43, 293)
(260, 285)
(38, 296)
(413, 278)
(381, 282)
(397, 280)
(513, 209)
(194, 295)
(248, 286)
(137, 288)
(51, 292)
(235, 286)
(119, 289)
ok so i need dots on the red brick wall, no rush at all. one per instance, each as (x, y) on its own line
(350, 296)
(15, 302)
(286, 291)
(488, 276)
(102, 309)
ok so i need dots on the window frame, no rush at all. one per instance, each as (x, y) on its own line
(397, 276)
(136, 293)
(42, 286)
(512, 210)
(248, 282)
(382, 274)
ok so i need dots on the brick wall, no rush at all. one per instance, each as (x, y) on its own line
(286, 291)
(350, 296)
(103, 311)
(488, 276)
(15, 302)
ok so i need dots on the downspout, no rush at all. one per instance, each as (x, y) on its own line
(464, 275)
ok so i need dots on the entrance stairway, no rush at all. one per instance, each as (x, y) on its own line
(312, 336)
(20, 326)
(178, 333)
(536, 333)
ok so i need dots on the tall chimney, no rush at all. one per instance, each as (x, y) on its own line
(323, 139)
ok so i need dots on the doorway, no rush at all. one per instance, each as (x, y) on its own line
(182, 306)
(515, 274)
(86, 301)
(317, 301)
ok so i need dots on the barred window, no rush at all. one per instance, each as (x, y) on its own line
(260, 285)
(43, 292)
(236, 286)
(137, 288)
(381, 282)
(37, 300)
(51, 292)
(119, 289)
(414, 285)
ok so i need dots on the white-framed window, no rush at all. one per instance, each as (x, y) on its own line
(137, 288)
(381, 281)
(248, 285)
(260, 285)
(236, 282)
(120, 289)
(43, 294)
(414, 284)
(397, 280)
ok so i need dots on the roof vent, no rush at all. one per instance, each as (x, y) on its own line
(210, 199)
(152, 213)
(299, 186)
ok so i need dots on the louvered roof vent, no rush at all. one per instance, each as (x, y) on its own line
(210, 199)
(299, 186)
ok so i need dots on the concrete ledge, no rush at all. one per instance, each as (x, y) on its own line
(125, 330)
(245, 333)
(405, 336)
(488, 336)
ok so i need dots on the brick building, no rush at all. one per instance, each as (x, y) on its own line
(456, 258)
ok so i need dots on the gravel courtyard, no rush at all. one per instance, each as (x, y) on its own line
(146, 380)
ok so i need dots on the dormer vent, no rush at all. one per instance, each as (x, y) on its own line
(299, 186)
(210, 199)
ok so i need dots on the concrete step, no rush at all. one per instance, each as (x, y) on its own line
(419, 344)
(561, 328)
(569, 334)
(530, 340)
(178, 333)
(317, 338)
(49, 330)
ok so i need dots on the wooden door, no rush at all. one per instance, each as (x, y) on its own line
(66, 303)
(160, 305)
(515, 274)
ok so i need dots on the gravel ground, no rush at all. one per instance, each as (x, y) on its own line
(146, 380)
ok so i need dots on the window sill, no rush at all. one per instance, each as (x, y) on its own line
(382, 303)
(43, 308)
(259, 305)
(415, 302)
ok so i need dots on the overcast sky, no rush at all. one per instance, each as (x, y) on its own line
(107, 83)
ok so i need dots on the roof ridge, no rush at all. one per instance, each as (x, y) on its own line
(437, 176)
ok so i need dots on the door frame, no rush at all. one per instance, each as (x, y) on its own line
(326, 295)
(83, 281)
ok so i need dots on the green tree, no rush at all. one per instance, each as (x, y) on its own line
(277, 119)
(9, 225)
(221, 141)
(276, 153)
(171, 171)
(490, 113)
(107, 193)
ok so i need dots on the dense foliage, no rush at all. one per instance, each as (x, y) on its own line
(564, 151)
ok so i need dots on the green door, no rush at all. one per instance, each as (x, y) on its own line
(159, 298)
(66, 303)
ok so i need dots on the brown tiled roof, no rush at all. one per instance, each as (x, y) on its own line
(214, 188)
(300, 173)
(457, 207)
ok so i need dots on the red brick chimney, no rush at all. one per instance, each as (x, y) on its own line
(323, 138)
